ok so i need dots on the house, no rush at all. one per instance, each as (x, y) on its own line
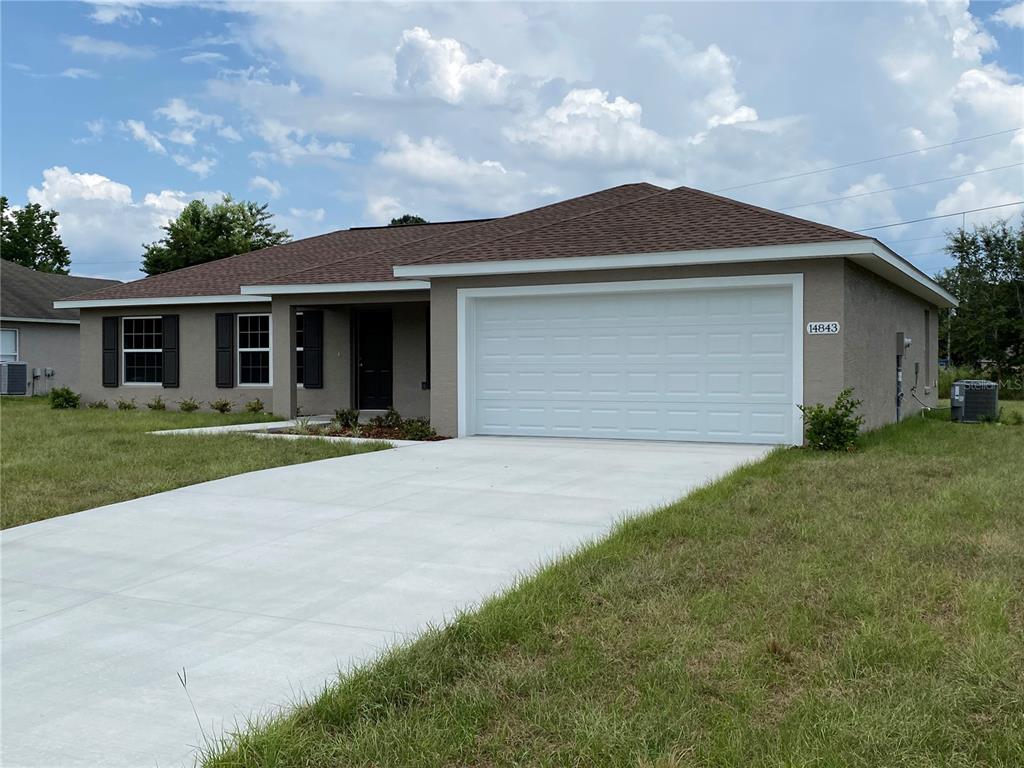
(633, 312)
(33, 332)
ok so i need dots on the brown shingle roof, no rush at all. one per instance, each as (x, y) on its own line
(225, 276)
(681, 219)
(25, 292)
(377, 266)
(632, 218)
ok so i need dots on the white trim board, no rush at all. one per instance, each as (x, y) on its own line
(869, 253)
(157, 301)
(381, 285)
(465, 298)
(51, 320)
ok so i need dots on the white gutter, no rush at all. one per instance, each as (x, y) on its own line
(157, 301)
(381, 285)
(52, 320)
(839, 248)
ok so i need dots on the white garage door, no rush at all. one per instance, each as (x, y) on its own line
(693, 364)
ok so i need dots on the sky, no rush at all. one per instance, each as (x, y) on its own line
(338, 115)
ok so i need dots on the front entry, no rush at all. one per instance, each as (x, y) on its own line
(373, 359)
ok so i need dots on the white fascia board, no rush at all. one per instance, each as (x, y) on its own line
(833, 249)
(157, 301)
(51, 320)
(382, 285)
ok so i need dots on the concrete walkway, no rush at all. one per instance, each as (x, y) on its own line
(261, 586)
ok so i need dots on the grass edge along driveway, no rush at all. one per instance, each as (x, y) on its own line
(55, 462)
(855, 609)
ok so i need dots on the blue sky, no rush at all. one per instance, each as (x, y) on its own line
(117, 114)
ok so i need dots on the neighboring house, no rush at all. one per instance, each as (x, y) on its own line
(33, 332)
(634, 312)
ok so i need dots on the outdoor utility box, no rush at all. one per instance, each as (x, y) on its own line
(13, 378)
(974, 400)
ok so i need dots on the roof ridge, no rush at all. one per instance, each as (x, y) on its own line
(776, 214)
(661, 191)
(483, 222)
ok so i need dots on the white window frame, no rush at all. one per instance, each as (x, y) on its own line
(299, 384)
(239, 349)
(125, 351)
(17, 344)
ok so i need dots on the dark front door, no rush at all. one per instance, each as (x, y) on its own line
(373, 359)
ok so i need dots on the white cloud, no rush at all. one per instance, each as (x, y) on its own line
(271, 187)
(289, 144)
(432, 160)
(590, 125)
(77, 73)
(115, 13)
(96, 129)
(108, 49)
(190, 120)
(444, 69)
(204, 57)
(380, 209)
(201, 167)
(1011, 15)
(229, 133)
(315, 215)
(181, 136)
(101, 222)
(138, 131)
(991, 92)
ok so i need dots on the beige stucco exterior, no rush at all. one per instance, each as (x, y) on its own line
(48, 345)
(862, 355)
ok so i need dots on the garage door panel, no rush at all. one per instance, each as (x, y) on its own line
(679, 365)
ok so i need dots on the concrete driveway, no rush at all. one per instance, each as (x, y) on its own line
(262, 586)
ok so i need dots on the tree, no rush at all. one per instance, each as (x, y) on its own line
(406, 219)
(203, 233)
(988, 279)
(28, 236)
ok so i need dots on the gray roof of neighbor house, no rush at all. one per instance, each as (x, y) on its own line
(26, 293)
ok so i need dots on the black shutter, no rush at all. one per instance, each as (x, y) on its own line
(170, 344)
(313, 349)
(111, 333)
(225, 350)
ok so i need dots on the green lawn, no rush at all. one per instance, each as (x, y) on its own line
(860, 609)
(54, 462)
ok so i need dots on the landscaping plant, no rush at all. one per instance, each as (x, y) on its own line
(125, 405)
(157, 404)
(254, 406)
(99, 405)
(833, 427)
(221, 405)
(347, 418)
(390, 419)
(63, 397)
(188, 405)
(417, 429)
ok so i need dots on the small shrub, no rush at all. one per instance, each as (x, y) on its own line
(417, 429)
(157, 404)
(254, 406)
(125, 405)
(221, 406)
(391, 419)
(346, 418)
(1012, 418)
(100, 404)
(833, 427)
(305, 426)
(188, 405)
(63, 397)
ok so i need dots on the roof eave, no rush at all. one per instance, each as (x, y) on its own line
(364, 287)
(869, 252)
(156, 301)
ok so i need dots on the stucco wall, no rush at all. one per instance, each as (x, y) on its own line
(823, 300)
(876, 311)
(196, 326)
(48, 345)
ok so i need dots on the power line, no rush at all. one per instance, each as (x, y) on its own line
(916, 239)
(865, 162)
(942, 216)
(903, 186)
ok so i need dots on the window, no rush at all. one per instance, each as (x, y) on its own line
(9, 345)
(300, 357)
(142, 339)
(253, 350)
